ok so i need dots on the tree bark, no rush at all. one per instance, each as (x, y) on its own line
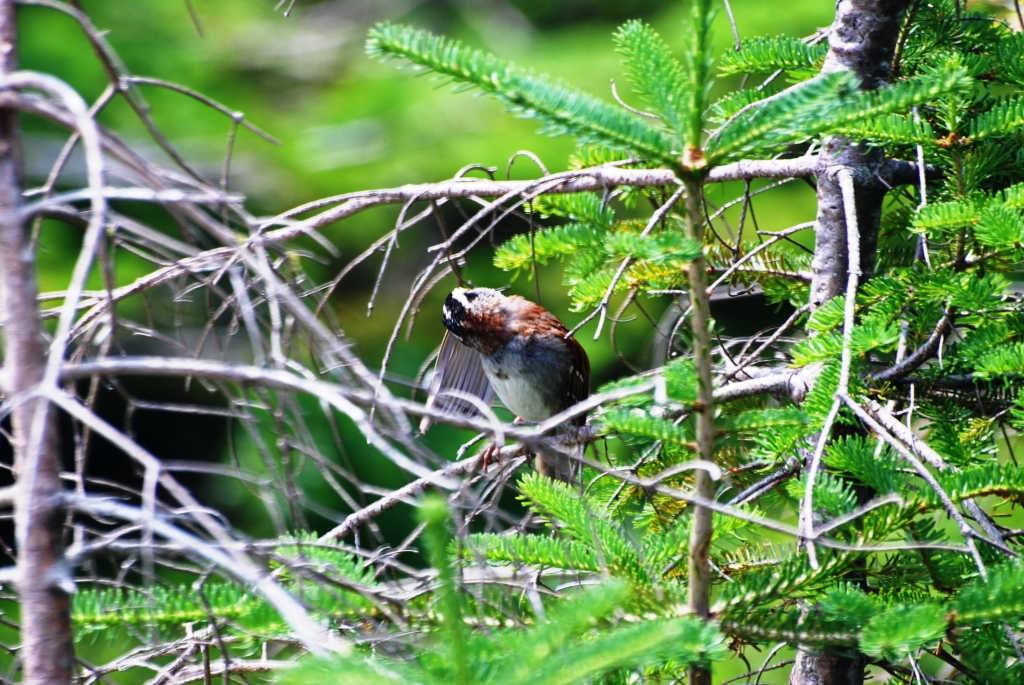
(47, 649)
(830, 264)
(863, 40)
(826, 668)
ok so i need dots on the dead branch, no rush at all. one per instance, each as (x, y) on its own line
(313, 636)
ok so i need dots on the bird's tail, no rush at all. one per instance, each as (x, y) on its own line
(557, 464)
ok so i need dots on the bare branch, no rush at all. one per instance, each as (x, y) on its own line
(236, 666)
(238, 117)
(501, 458)
(965, 529)
(584, 180)
(337, 395)
(920, 355)
(853, 271)
(314, 637)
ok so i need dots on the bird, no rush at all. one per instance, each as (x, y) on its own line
(515, 349)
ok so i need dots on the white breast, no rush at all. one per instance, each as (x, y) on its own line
(520, 396)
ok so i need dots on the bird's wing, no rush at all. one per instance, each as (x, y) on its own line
(458, 370)
(577, 386)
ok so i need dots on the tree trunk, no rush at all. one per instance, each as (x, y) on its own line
(826, 668)
(863, 40)
(699, 578)
(47, 650)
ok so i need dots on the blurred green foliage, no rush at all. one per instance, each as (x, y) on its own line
(348, 123)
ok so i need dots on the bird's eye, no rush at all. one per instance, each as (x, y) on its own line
(470, 296)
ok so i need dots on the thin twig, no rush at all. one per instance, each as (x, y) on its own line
(853, 270)
(634, 110)
(969, 533)
(739, 45)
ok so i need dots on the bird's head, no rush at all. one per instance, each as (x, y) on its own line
(475, 315)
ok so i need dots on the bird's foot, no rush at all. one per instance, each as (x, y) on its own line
(485, 458)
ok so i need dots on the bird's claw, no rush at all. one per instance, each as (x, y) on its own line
(485, 458)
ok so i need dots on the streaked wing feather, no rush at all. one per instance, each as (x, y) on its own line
(458, 369)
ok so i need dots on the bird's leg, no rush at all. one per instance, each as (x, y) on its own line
(493, 448)
(490, 450)
(485, 458)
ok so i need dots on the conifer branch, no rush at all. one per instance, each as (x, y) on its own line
(602, 307)
(313, 636)
(935, 460)
(658, 77)
(561, 108)
(741, 514)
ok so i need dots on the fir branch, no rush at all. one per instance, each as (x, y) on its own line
(535, 550)
(561, 241)
(641, 424)
(685, 641)
(826, 103)
(1006, 481)
(945, 216)
(1000, 227)
(762, 55)
(892, 128)
(656, 75)
(903, 629)
(1009, 67)
(792, 115)
(999, 598)
(562, 109)
(558, 501)
(697, 67)
(1001, 120)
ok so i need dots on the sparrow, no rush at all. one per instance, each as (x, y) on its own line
(515, 349)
